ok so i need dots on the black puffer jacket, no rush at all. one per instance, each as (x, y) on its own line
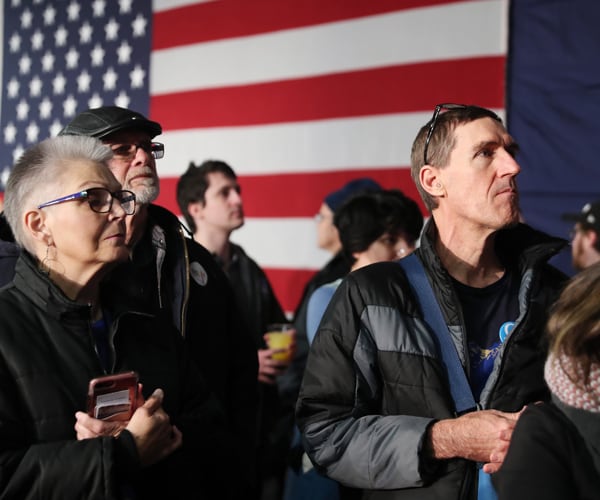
(374, 381)
(554, 454)
(47, 357)
(177, 277)
(9, 252)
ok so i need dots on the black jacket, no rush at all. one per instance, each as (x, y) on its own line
(47, 357)
(9, 252)
(259, 307)
(174, 274)
(8, 258)
(552, 455)
(374, 381)
(178, 277)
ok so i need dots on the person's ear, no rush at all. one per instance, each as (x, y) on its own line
(195, 209)
(35, 223)
(591, 237)
(431, 180)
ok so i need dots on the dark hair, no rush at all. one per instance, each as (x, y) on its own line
(364, 218)
(413, 217)
(441, 143)
(574, 323)
(192, 185)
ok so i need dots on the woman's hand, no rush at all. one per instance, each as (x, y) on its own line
(150, 426)
(152, 431)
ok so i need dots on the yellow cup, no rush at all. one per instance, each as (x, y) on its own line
(279, 337)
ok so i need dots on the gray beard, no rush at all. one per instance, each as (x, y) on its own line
(147, 194)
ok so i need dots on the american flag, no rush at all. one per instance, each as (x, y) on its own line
(297, 96)
(60, 57)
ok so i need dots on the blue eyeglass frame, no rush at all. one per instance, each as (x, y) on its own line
(85, 194)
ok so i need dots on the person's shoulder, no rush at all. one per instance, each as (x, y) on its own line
(522, 238)
(9, 254)
(380, 283)
(162, 216)
(199, 252)
(377, 271)
(325, 292)
(542, 417)
(9, 249)
(240, 253)
(242, 256)
(203, 264)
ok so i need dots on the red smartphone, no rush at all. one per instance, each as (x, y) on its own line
(113, 397)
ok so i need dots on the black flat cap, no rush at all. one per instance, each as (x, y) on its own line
(100, 122)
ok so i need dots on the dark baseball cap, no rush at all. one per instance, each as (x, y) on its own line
(589, 216)
(100, 122)
(356, 186)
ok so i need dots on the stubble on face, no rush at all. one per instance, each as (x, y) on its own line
(481, 177)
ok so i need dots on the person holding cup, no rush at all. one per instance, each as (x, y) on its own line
(280, 338)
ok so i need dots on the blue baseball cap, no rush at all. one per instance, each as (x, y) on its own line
(364, 184)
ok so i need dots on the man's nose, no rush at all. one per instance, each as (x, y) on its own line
(235, 197)
(509, 166)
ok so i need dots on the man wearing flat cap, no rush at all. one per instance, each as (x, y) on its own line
(172, 274)
(585, 236)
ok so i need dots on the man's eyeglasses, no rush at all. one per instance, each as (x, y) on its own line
(448, 106)
(100, 200)
(320, 217)
(128, 151)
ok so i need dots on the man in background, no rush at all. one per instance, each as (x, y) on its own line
(585, 239)
(210, 200)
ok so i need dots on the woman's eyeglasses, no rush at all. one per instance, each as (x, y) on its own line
(100, 200)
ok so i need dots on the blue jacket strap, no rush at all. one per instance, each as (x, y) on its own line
(432, 314)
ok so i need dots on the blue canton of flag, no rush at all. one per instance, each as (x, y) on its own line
(61, 57)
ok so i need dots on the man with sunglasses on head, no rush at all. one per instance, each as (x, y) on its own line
(176, 276)
(378, 408)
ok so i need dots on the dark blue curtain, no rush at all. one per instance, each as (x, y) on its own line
(553, 108)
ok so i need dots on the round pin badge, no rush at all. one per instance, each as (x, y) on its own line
(505, 330)
(198, 273)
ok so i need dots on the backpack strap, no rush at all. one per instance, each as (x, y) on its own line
(432, 315)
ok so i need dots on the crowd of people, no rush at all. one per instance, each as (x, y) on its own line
(431, 357)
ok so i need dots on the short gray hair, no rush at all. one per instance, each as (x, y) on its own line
(36, 174)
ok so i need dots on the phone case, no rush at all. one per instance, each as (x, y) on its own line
(113, 397)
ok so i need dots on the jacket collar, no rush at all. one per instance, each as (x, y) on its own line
(38, 287)
(519, 244)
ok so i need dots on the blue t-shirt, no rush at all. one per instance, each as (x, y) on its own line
(489, 314)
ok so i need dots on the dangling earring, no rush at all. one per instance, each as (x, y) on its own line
(44, 267)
